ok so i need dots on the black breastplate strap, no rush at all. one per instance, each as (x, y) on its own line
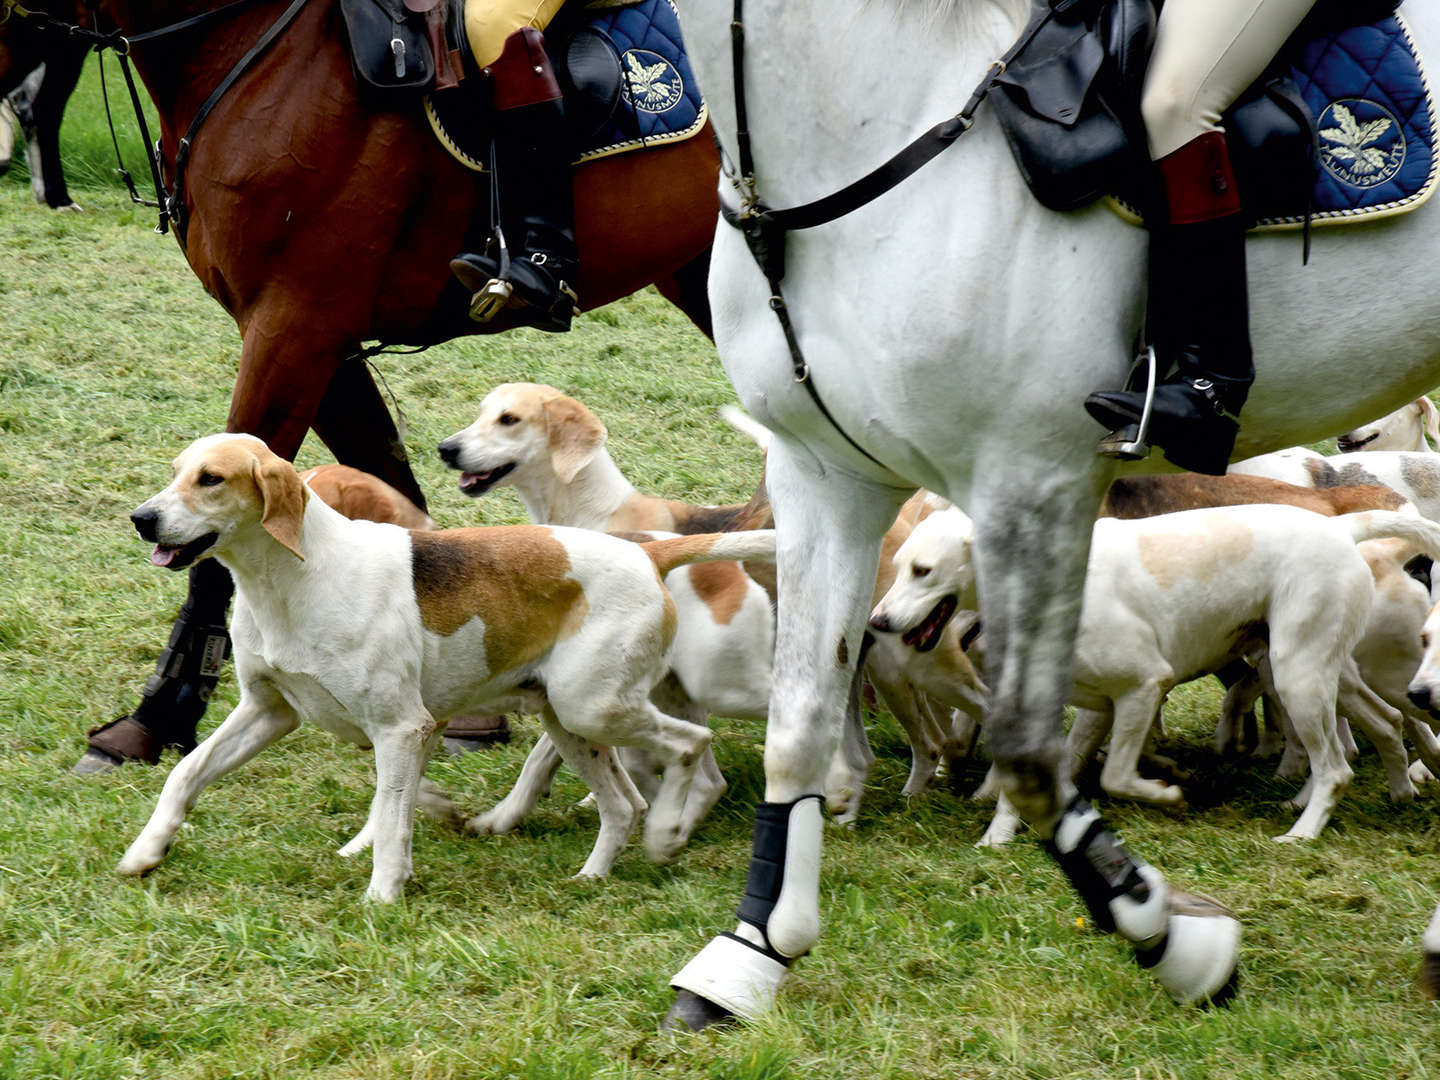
(765, 228)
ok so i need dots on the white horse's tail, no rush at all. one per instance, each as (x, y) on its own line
(1386, 524)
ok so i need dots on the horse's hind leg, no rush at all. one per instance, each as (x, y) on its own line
(1032, 538)
(829, 528)
(353, 421)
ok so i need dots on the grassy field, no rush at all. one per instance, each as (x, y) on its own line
(249, 952)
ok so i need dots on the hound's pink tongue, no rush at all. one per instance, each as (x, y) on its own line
(470, 479)
(163, 556)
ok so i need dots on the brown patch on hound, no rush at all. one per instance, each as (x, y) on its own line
(516, 579)
(358, 494)
(722, 587)
(1171, 558)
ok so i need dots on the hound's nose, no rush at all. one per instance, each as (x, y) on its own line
(881, 622)
(1420, 696)
(145, 523)
(450, 453)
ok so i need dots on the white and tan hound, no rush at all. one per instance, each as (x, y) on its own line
(378, 634)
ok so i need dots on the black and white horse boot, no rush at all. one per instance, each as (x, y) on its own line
(738, 974)
(1189, 943)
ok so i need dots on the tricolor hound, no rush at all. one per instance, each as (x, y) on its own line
(378, 634)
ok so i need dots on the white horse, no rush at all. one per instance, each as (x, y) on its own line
(953, 327)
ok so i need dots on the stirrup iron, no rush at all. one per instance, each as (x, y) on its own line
(1132, 442)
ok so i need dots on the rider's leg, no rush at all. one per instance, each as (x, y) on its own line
(533, 153)
(1206, 53)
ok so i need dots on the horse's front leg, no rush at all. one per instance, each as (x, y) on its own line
(829, 528)
(1032, 539)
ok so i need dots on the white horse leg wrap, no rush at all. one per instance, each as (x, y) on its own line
(1189, 943)
(779, 914)
(783, 888)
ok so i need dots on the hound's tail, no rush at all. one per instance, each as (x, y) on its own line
(748, 426)
(757, 544)
(1386, 524)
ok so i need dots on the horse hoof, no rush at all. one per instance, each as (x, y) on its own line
(1199, 959)
(732, 976)
(94, 762)
(691, 1012)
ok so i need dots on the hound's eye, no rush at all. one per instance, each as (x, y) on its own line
(210, 479)
(920, 571)
(1424, 641)
(509, 418)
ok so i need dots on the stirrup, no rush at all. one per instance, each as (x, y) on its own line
(491, 300)
(1132, 442)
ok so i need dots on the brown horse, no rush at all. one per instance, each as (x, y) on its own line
(318, 223)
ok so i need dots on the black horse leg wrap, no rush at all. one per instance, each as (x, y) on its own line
(767, 867)
(1098, 866)
(175, 697)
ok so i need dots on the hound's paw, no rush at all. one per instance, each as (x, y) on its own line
(142, 857)
(494, 822)
(358, 844)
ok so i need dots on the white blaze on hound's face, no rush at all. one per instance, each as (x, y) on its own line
(508, 440)
(933, 569)
(212, 495)
(1425, 686)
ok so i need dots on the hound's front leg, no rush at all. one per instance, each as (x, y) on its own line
(402, 750)
(829, 528)
(1033, 531)
(262, 717)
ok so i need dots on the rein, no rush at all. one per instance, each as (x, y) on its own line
(764, 228)
(170, 202)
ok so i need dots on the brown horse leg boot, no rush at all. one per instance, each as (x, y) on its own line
(175, 697)
(1199, 319)
(533, 150)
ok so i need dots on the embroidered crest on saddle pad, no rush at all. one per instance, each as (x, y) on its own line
(1375, 126)
(659, 98)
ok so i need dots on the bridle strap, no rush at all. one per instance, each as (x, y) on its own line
(175, 204)
(171, 204)
(765, 228)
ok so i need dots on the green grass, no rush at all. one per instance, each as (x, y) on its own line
(250, 953)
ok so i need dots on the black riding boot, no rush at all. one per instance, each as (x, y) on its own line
(1198, 317)
(532, 171)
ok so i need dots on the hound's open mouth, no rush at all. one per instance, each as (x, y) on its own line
(179, 556)
(478, 483)
(926, 635)
(1349, 446)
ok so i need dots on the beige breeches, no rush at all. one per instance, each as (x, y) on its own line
(489, 22)
(1207, 52)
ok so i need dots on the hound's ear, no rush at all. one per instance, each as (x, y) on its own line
(1432, 420)
(283, 495)
(576, 435)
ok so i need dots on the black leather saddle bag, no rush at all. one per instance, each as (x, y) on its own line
(389, 47)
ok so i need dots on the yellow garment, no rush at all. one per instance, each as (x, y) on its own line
(489, 22)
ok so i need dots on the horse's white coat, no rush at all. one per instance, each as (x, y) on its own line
(954, 326)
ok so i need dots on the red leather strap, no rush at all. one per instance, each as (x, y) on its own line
(1199, 182)
(522, 74)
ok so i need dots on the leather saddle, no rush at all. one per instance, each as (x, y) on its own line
(1070, 107)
